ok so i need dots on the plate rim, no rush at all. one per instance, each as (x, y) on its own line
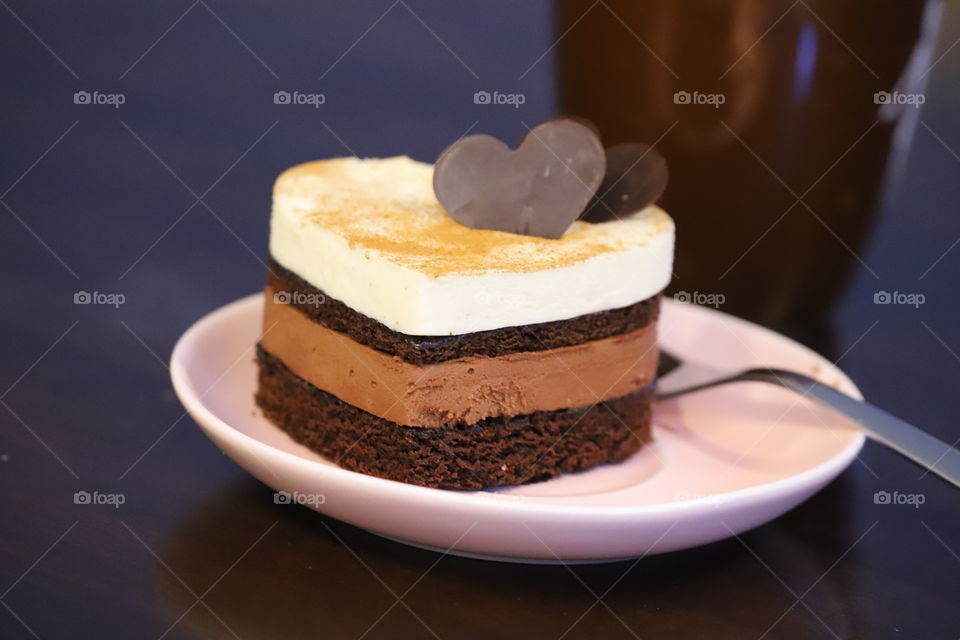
(492, 502)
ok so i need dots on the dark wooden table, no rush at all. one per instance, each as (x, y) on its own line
(164, 200)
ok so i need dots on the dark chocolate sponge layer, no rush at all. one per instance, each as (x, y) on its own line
(420, 350)
(489, 453)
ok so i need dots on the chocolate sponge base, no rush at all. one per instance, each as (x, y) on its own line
(493, 452)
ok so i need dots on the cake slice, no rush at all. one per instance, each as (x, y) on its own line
(400, 343)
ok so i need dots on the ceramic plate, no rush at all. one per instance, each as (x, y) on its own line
(723, 461)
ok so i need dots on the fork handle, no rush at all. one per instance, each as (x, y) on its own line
(929, 452)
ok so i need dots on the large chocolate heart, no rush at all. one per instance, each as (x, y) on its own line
(539, 189)
(636, 177)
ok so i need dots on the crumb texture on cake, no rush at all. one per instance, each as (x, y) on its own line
(371, 233)
(421, 350)
(462, 390)
(493, 452)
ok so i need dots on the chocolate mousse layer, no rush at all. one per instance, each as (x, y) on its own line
(421, 350)
(492, 452)
(462, 390)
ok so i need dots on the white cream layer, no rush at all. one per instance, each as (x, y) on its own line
(347, 226)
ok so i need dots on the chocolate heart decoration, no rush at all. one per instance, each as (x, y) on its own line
(636, 177)
(539, 189)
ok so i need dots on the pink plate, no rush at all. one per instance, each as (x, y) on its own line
(723, 461)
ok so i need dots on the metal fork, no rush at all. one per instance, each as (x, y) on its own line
(678, 377)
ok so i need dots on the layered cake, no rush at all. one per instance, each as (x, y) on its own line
(401, 343)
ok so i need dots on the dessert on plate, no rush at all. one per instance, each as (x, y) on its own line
(456, 325)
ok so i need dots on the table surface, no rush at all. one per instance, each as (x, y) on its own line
(164, 200)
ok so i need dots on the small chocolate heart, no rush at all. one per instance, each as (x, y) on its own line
(539, 189)
(636, 178)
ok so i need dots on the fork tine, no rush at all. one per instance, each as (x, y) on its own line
(667, 363)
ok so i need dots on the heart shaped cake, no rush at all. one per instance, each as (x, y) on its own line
(402, 342)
